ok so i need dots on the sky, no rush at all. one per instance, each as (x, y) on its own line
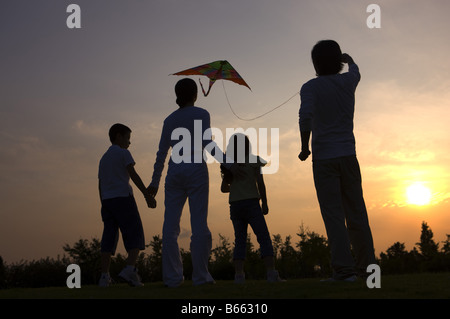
(61, 89)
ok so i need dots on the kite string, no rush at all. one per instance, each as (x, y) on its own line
(259, 116)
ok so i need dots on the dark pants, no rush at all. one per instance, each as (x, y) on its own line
(248, 212)
(121, 213)
(339, 191)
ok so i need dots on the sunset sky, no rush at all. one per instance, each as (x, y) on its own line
(61, 89)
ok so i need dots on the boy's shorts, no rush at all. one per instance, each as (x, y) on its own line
(121, 213)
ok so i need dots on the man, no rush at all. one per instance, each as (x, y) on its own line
(326, 112)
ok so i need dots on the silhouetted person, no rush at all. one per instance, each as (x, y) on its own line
(326, 111)
(187, 178)
(244, 196)
(119, 209)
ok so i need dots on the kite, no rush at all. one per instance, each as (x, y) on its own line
(218, 70)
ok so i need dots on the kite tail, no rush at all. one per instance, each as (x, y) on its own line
(211, 82)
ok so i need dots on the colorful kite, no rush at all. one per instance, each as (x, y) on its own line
(218, 70)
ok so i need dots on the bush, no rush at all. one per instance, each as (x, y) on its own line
(309, 257)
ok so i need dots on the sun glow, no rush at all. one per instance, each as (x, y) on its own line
(418, 194)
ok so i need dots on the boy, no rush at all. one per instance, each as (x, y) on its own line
(119, 209)
(327, 110)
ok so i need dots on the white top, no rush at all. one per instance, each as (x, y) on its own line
(113, 173)
(327, 109)
(185, 129)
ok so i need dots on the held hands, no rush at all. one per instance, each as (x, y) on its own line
(152, 190)
(151, 201)
(149, 196)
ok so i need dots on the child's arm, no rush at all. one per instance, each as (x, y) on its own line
(151, 202)
(262, 193)
(225, 187)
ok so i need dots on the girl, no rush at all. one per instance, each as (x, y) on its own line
(244, 195)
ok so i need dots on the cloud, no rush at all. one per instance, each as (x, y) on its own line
(98, 131)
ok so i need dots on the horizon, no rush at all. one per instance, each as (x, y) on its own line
(217, 240)
(63, 88)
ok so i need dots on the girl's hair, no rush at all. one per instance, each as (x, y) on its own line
(327, 58)
(239, 148)
(186, 91)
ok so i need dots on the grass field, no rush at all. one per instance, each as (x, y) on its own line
(411, 286)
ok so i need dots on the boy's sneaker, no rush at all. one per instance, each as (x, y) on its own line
(273, 276)
(131, 276)
(105, 280)
(239, 278)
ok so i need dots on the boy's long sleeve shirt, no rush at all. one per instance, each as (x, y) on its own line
(327, 110)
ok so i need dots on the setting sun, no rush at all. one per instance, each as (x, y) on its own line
(418, 194)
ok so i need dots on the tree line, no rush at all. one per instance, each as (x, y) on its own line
(307, 257)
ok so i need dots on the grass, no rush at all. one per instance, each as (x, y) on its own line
(410, 286)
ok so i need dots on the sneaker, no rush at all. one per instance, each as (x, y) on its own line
(105, 280)
(239, 279)
(131, 276)
(273, 276)
(174, 285)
